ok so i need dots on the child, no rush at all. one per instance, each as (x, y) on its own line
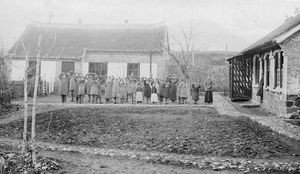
(101, 90)
(154, 98)
(185, 90)
(147, 90)
(63, 87)
(131, 90)
(161, 89)
(81, 91)
(108, 90)
(72, 85)
(94, 91)
(167, 91)
(88, 86)
(139, 93)
(179, 86)
(115, 90)
(123, 92)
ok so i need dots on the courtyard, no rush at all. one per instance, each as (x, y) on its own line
(177, 135)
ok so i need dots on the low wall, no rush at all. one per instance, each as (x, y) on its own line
(274, 102)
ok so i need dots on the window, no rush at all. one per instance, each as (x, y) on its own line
(278, 69)
(133, 70)
(99, 68)
(67, 67)
(267, 71)
(257, 70)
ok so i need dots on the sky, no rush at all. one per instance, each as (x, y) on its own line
(250, 19)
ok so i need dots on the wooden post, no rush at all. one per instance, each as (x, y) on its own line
(37, 74)
(150, 63)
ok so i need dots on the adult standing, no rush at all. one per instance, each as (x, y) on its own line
(173, 89)
(195, 92)
(63, 88)
(208, 91)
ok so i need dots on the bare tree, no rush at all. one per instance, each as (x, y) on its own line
(33, 117)
(184, 57)
(25, 143)
(34, 105)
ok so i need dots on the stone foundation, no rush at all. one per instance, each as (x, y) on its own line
(292, 103)
(275, 102)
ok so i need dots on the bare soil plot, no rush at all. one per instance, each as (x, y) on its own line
(183, 130)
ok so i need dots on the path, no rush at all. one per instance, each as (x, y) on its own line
(275, 123)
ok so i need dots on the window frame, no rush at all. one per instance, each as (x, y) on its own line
(67, 62)
(102, 72)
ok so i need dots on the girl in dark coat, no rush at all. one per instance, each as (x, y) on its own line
(161, 89)
(147, 90)
(195, 92)
(173, 90)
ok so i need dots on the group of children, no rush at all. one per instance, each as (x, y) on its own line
(115, 90)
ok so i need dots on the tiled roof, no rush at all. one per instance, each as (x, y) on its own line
(268, 40)
(73, 39)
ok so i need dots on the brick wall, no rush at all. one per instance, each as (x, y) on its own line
(274, 97)
(291, 48)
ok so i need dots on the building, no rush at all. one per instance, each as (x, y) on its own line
(120, 50)
(275, 59)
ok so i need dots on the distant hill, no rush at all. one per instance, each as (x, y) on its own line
(209, 36)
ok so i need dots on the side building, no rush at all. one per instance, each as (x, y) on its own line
(274, 61)
(125, 50)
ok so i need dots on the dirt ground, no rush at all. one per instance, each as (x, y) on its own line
(76, 163)
(183, 130)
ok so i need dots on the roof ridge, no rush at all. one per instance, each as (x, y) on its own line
(98, 26)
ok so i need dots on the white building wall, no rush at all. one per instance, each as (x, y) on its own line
(85, 68)
(78, 67)
(145, 70)
(17, 70)
(48, 71)
(117, 69)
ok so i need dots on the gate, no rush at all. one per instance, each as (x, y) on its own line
(240, 75)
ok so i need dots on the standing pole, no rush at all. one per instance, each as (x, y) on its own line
(37, 74)
(150, 63)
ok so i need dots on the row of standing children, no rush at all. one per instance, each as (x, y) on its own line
(118, 90)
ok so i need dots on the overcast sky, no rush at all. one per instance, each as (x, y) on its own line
(249, 18)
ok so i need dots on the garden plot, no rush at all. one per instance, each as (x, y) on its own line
(171, 129)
